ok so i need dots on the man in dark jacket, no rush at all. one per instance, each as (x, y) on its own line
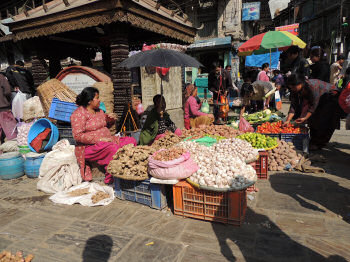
(7, 121)
(20, 79)
(219, 82)
(294, 63)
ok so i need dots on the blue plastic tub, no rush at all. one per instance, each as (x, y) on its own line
(32, 165)
(143, 192)
(61, 110)
(38, 127)
(11, 165)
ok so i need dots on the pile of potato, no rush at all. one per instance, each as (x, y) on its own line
(283, 155)
(169, 140)
(169, 154)
(131, 161)
(215, 130)
(6, 256)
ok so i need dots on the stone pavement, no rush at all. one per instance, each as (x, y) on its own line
(294, 217)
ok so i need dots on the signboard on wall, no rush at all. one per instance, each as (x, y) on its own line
(294, 28)
(77, 82)
(251, 11)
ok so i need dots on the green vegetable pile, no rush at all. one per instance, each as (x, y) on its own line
(259, 141)
(262, 117)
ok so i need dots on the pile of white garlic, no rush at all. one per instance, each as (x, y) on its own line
(219, 166)
(238, 148)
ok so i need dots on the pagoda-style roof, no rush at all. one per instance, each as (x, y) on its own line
(61, 16)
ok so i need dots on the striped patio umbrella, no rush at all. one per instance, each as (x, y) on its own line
(270, 41)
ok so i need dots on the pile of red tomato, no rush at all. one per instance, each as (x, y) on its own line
(277, 128)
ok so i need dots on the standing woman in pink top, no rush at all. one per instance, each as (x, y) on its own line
(193, 117)
(262, 76)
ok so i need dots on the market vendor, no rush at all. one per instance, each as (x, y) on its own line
(219, 82)
(316, 103)
(193, 117)
(257, 91)
(158, 122)
(90, 131)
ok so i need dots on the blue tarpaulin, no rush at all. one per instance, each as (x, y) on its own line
(258, 60)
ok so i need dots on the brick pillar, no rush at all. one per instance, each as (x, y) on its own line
(38, 70)
(121, 77)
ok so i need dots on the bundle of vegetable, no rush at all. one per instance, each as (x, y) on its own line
(219, 167)
(262, 116)
(6, 256)
(167, 141)
(214, 130)
(259, 141)
(277, 127)
(169, 154)
(283, 155)
(130, 162)
(238, 148)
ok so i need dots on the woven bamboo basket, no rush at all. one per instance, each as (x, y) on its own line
(107, 97)
(54, 88)
(106, 94)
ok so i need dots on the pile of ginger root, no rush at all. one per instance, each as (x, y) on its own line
(6, 256)
(131, 161)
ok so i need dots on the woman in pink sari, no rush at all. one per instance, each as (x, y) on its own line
(90, 131)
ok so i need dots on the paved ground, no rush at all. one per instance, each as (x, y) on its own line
(294, 217)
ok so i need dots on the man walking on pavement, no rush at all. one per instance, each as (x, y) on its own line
(336, 67)
(20, 79)
(7, 121)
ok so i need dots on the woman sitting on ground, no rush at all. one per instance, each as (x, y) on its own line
(94, 140)
(193, 117)
(158, 122)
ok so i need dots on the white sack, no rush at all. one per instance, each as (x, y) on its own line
(84, 200)
(59, 170)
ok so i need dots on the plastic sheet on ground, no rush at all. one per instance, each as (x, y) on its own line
(84, 200)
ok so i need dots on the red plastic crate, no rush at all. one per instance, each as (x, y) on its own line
(252, 188)
(224, 207)
(261, 165)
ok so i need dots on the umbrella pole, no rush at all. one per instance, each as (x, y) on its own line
(270, 59)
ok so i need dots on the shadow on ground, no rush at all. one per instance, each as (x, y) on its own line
(328, 193)
(262, 240)
(336, 160)
(97, 249)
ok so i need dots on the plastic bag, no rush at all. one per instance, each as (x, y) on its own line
(344, 100)
(17, 104)
(205, 107)
(179, 168)
(140, 109)
(244, 126)
(32, 109)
